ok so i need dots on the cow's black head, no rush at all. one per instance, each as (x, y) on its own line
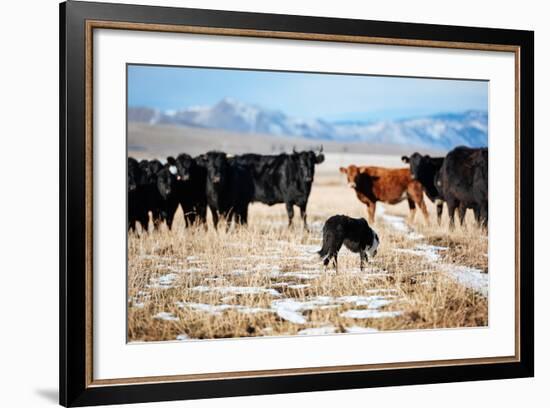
(424, 169)
(420, 165)
(216, 166)
(148, 173)
(134, 174)
(166, 179)
(184, 164)
(306, 162)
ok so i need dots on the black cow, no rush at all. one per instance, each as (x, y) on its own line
(229, 187)
(354, 233)
(158, 195)
(137, 208)
(425, 169)
(168, 197)
(284, 178)
(464, 183)
(190, 188)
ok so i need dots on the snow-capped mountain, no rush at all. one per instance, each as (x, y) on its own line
(442, 131)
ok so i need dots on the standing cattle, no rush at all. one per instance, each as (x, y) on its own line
(137, 209)
(372, 184)
(425, 169)
(463, 182)
(283, 178)
(166, 187)
(191, 188)
(229, 187)
(157, 192)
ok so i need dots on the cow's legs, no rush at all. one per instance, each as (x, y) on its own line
(170, 211)
(201, 214)
(462, 213)
(157, 218)
(424, 210)
(371, 210)
(303, 215)
(439, 204)
(412, 209)
(170, 217)
(189, 215)
(451, 207)
(416, 194)
(484, 215)
(290, 212)
(215, 217)
(244, 215)
(144, 221)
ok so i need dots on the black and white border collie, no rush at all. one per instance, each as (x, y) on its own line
(354, 233)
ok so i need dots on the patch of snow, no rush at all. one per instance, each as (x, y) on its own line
(280, 284)
(193, 270)
(299, 286)
(430, 252)
(182, 337)
(290, 315)
(307, 249)
(203, 307)
(163, 282)
(289, 309)
(372, 302)
(238, 272)
(300, 275)
(415, 236)
(138, 305)
(396, 222)
(219, 309)
(168, 316)
(470, 277)
(315, 331)
(368, 314)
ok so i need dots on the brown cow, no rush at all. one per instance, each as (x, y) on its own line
(372, 184)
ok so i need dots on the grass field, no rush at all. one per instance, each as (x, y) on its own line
(266, 279)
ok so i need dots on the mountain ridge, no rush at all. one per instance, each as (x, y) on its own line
(441, 131)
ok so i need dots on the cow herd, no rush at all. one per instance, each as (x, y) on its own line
(225, 184)
(460, 179)
(228, 184)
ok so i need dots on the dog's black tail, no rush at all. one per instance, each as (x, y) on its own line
(323, 251)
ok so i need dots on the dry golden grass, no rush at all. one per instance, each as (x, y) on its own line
(265, 279)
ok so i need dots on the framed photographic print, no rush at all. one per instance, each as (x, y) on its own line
(239, 197)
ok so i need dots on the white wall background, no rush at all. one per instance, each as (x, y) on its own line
(29, 201)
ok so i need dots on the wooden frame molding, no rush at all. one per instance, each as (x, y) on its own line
(78, 20)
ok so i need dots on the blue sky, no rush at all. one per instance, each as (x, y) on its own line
(326, 96)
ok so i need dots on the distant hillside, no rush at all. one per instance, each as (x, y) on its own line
(437, 132)
(148, 141)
